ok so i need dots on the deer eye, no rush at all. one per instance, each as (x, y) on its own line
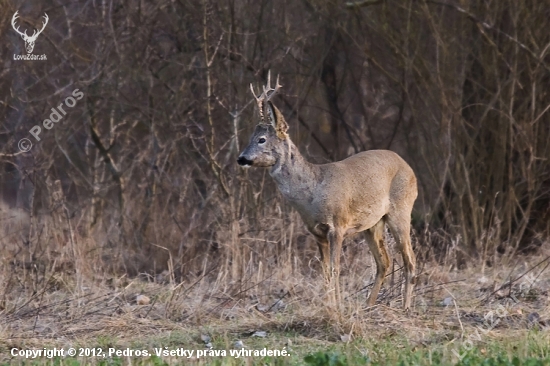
(261, 140)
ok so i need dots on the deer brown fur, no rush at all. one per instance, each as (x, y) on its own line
(359, 194)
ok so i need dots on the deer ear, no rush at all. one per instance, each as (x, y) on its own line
(276, 119)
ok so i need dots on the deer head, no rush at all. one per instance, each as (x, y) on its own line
(29, 40)
(267, 142)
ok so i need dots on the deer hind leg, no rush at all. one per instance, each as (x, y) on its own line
(375, 240)
(400, 227)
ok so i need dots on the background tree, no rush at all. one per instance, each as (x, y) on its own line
(146, 159)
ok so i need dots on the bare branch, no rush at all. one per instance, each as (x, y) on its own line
(363, 3)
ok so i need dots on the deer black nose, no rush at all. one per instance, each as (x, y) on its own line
(244, 161)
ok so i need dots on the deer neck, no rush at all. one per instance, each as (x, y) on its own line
(295, 177)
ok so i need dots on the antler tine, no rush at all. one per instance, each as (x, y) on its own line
(46, 18)
(253, 92)
(36, 31)
(13, 19)
(259, 100)
(268, 89)
(277, 85)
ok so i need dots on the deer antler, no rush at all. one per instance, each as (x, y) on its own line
(35, 34)
(268, 88)
(13, 19)
(258, 98)
(267, 94)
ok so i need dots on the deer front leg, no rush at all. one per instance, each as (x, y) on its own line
(335, 239)
(320, 231)
(324, 251)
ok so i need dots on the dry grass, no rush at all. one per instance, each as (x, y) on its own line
(65, 297)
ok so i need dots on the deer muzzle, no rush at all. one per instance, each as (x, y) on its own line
(243, 161)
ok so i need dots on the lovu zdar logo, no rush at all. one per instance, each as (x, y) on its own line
(29, 40)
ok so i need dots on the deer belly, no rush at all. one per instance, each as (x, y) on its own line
(369, 222)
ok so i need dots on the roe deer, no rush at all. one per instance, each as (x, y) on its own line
(335, 200)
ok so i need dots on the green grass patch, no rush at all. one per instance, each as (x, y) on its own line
(529, 348)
